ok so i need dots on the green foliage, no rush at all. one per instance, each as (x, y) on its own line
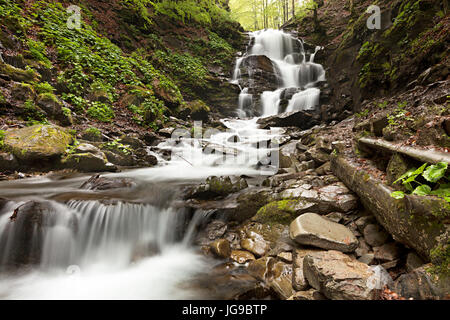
(100, 111)
(32, 114)
(10, 15)
(186, 67)
(93, 132)
(115, 145)
(43, 87)
(362, 114)
(434, 181)
(2, 138)
(37, 50)
(79, 103)
(202, 12)
(440, 258)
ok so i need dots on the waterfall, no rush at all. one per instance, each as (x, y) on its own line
(289, 57)
(121, 244)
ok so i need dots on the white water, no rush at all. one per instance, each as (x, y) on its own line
(123, 250)
(289, 56)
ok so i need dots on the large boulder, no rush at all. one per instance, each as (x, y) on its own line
(97, 182)
(23, 239)
(259, 74)
(338, 276)
(300, 119)
(38, 142)
(313, 229)
(299, 281)
(88, 158)
(334, 197)
(54, 108)
(282, 211)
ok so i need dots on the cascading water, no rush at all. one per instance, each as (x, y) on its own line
(134, 244)
(289, 57)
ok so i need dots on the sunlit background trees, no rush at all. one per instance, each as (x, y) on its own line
(262, 14)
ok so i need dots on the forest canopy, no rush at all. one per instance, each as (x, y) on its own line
(262, 14)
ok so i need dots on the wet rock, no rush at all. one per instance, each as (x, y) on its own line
(218, 187)
(119, 159)
(388, 251)
(221, 248)
(38, 142)
(261, 268)
(97, 182)
(256, 245)
(421, 285)
(90, 159)
(241, 256)
(375, 235)
(413, 261)
(259, 74)
(299, 119)
(299, 281)
(338, 276)
(8, 162)
(216, 229)
(23, 240)
(312, 229)
(285, 257)
(281, 281)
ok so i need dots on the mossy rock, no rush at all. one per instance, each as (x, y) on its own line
(21, 92)
(37, 142)
(198, 110)
(16, 74)
(88, 162)
(281, 212)
(54, 108)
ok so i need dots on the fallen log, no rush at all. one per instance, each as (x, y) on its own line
(419, 222)
(428, 156)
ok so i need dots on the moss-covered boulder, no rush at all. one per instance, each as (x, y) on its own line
(37, 142)
(283, 211)
(54, 108)
(88, 162)
(9, 72)
(197, 110)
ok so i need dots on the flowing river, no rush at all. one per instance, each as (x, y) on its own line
(136, 243)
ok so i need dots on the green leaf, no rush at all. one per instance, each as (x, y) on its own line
(435, 172)
(441, 192)
(398, 195)
(406, 175)
(422, 190)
